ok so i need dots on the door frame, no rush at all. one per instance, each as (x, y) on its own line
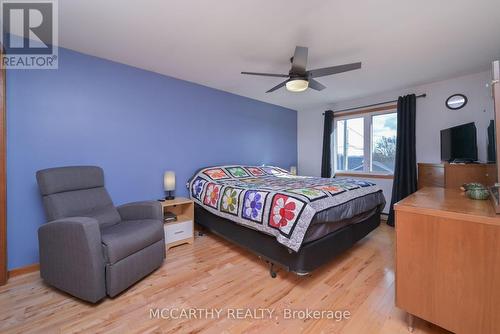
(496, 109)
(3, 174)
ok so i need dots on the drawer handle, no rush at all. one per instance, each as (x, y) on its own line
(178, 232)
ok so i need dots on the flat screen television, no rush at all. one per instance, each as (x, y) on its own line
(459, 143)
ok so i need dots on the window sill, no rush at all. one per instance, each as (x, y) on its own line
(367, 175)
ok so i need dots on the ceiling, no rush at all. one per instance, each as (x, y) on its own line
(401, 43)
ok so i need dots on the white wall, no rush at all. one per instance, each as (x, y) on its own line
(432, 117)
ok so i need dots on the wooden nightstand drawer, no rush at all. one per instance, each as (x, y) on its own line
(178, 231)
(181, 231)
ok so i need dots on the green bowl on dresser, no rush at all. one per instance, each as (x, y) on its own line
(473, 185)
(478, 193)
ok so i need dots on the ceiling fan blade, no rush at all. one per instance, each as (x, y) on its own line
(316, 85)
(321, 72)
(299, 60)
(267, 74)
(277, 87)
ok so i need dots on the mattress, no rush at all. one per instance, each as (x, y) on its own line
(293, 209)
(318, 228)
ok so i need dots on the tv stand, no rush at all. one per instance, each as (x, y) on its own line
(449, 175)
(462, 161)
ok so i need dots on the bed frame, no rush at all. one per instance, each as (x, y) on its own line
(310, 256)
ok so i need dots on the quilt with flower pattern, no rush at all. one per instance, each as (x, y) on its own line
(270, 199)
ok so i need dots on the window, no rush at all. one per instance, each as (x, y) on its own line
(384, 143)
(350, 142)
(365, 143)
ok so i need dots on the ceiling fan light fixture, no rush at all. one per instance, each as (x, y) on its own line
(297, 85)
(299, 78)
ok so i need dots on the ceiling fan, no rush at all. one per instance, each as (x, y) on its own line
(299, 79)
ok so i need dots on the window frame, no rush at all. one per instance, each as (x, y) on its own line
(367, 116)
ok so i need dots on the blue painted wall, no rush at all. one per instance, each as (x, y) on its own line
(133, 123)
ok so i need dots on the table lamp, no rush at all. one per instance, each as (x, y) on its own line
(169, 184)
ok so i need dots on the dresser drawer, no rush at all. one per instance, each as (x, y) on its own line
(178, 231)
(430, 175)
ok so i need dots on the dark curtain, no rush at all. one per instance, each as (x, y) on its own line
(326, 159)
(405, 172)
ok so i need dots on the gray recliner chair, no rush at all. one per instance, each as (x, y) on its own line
(89, 248)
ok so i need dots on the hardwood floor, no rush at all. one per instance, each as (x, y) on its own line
(212, 273)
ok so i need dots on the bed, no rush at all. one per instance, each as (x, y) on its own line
(296, 222)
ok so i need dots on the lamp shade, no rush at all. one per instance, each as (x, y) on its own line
(169, 180)
(297, 85)
(293, 170)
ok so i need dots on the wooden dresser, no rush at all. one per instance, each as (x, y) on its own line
(448, 260)
(454, 175)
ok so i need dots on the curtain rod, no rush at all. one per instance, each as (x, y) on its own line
(374, 104)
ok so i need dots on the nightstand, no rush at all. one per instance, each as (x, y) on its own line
(180, 231)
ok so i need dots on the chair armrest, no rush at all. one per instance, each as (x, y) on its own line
(71, 257)
(141, 210)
